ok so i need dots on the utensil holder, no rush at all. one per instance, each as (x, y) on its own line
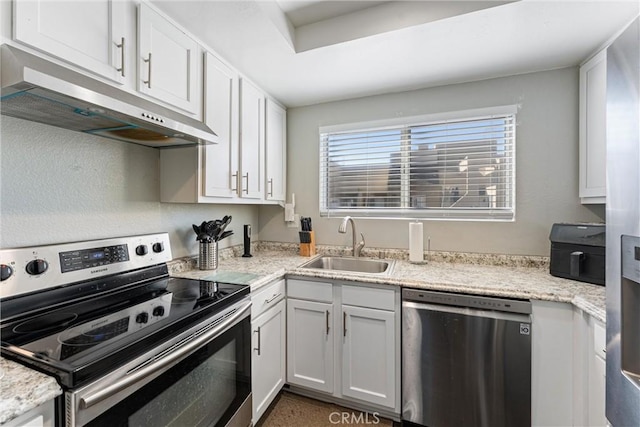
(309, 249)
(208, 257)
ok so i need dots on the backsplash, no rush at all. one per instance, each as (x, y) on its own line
(435, 256)
(191, 262)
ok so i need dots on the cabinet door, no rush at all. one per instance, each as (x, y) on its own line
(251, 141)
(597, 381)
(268, 358)
(310, 345)
(276, 141)
(89, 34)
(368, 355)
(167, 61)
(220, 168)
(597, 374)
(592, 132)
(40, 416)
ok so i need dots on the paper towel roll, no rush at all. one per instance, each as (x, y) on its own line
(416, 244)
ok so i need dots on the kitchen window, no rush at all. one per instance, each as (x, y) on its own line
(457, 165)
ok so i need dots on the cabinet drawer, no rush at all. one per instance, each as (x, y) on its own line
(315, 291)
(363, 296)
(266, 298)
(600, 340)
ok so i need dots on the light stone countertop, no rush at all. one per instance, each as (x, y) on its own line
(22, 389)
(490, 280)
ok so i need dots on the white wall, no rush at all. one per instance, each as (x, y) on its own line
(61, 186)
(546, 164)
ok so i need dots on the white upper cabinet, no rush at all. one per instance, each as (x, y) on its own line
(89, 34)
(276, 141)
(251, 183)
(142, 51)
(220, 168)
(592, 133)
(168, 61)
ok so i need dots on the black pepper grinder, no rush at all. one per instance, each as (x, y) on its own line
(247, 241)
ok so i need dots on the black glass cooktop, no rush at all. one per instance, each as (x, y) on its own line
(81, 340)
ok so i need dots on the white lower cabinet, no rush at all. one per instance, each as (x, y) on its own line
(597, 373)
(268, 358)
(597, 380)
(343, 340)
(589, 370)
(40, 416)
(310, 344)
(368, 355)
(552, 387)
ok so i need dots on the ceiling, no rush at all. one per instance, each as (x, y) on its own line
(309, 52)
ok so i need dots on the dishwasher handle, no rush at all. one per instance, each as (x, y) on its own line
(467, 311)
(471, 301)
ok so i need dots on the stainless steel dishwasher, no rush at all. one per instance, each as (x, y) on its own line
(466, 360)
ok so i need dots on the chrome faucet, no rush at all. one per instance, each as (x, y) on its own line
(357, 247)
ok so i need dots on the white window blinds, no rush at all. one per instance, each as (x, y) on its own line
(457, 169)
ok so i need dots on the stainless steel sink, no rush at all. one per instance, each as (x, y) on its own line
(355, 265)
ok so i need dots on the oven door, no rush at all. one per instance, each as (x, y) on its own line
(202, 378)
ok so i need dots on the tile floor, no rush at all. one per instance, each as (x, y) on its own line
(291, 410)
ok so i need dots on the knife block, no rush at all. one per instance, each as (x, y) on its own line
(309, 249)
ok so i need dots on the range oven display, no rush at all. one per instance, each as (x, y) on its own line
(95, 257)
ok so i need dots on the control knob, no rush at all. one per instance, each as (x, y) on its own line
(158, 311)
(36, 267)
(5, 272)
(142, 317)
(158, 247)
(142, 250)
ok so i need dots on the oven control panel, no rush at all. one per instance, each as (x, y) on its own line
(34, 269)
(94, 257)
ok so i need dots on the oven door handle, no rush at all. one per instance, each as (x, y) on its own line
(135, 376)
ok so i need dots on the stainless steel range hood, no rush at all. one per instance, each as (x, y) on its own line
(38, 90)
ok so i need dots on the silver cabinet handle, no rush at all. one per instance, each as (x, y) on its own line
(196, 341)
(234, 177)
(148, 82)
(327, 320)
(271, 187)
(267, 301)
(344, 323)
(258, 348)
(246, 176)
(121, 47)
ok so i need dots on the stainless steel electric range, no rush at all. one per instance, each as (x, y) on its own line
(129, 345)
